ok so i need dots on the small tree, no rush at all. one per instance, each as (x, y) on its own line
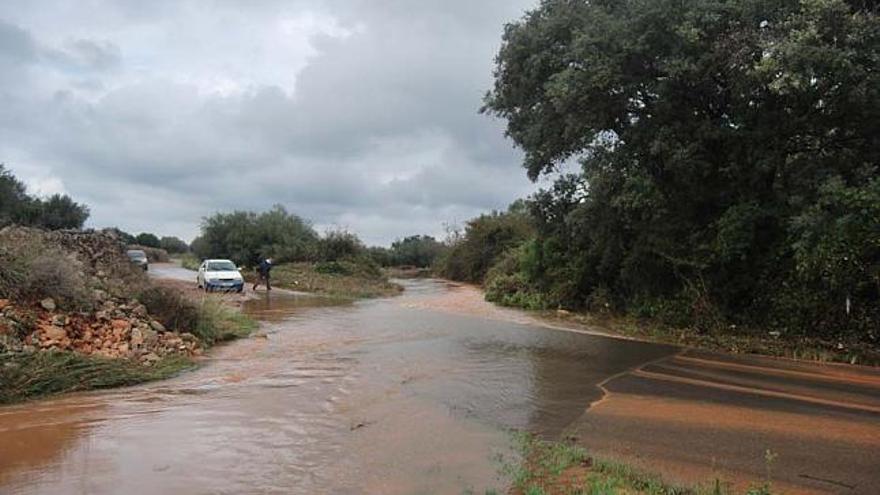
(339, 244)
(147, 239)
(173, 245)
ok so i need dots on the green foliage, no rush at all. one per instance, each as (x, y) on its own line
(29, 376)
(350, 278)
(219, 323)
(147, 239)
(60, 212)
(173, 245)
(170, 308)
(246, 237)
(382, 256)
(417, 250)
(508, 282)
(53, 213)
(32, 270)
(469, 255)
(550, 467)
(190, 262)
(339, 244)
(729, 152)
(209, 320)
(333, 268)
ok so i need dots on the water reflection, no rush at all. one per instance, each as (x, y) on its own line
(279, 306)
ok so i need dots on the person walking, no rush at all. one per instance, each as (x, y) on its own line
(263, 270)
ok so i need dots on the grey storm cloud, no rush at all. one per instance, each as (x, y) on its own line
(349, 113)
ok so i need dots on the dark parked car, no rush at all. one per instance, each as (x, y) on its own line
(138, 257)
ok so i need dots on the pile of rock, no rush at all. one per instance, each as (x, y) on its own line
(117, 330)
(116, 325)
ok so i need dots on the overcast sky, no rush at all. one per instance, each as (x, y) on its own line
(354, 114)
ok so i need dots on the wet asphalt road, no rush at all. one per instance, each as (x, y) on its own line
(698, 415)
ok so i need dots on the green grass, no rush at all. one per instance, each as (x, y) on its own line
(219, 323)
(343, 279)
(33, 375)
(190, 261)
(734, 341)
(26, 376)
(546, 468)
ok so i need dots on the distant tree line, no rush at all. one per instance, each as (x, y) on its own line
(246, 237)
(728, 153)
(55, 212)
(419, 251)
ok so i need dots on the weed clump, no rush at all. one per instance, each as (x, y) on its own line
(39, 374)
(33, 270)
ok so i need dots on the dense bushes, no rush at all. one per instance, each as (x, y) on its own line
(729, 157)
(31, 375)
(471, 253)
(18, 207)
(67, 266)
(32, 270)
(170, 308)
(246, 237)
(48, 272)
(337, 245)
(173, 245)
(148, 240)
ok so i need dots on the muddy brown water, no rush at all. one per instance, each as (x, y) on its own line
(419, 394)
(401, 395)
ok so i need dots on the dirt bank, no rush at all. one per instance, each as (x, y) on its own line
(75, 315)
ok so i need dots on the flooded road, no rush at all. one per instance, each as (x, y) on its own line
(418, 393)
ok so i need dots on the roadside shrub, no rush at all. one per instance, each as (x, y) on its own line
(173, 245)
(508, 282)
(600, 301)
(147, 239)
(171, 308)
(246, 237)
(514, 290)
(55, 274)
(363, 267)
(31, 270)
(218, 323)
(209, 320)
(416, 250)
(339, 244)
(485, 239)
(190, 261)
(333, 268)
(26, 376)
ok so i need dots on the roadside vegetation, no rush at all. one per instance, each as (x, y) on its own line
(34, 375)
(31, 374)
(346, 279)
(559, 468)
(189, 261)
(75, 315)
(336, 263)
(727, 171)
(415, 251)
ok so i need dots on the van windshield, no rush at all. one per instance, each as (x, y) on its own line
(221, 266)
